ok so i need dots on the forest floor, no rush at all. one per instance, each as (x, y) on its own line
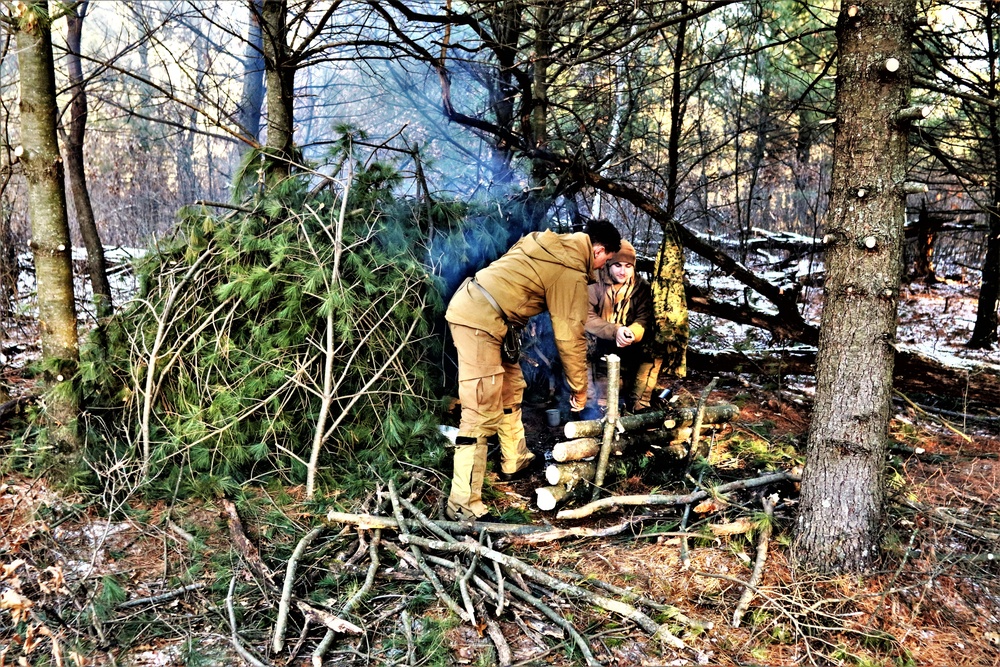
(106, 581)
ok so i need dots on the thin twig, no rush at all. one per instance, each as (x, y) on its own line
(504, 655)
(610, 424)
(940, 420)
(234, 636)
(163, 597)
(369, 521)
(699, 417)
(555, 617)
(428, 572)
(324, 644)
(671, 611)
(758, 567)
(658, 499)
(660, 632)
(685, 553)
(278, 640)
(408, 633)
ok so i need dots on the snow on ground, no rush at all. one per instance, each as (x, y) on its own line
(935, 320)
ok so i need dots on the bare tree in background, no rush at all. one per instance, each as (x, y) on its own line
(964, 64)
(8, 258)
(74, 139)
(248, 112)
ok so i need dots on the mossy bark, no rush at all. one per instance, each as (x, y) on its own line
(842, 504)
(50, 242)
(670, 306)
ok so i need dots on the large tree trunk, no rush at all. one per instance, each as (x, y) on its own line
(538, 199)
(279, 74)
(43, 170)
(842, 503)
(96, 264)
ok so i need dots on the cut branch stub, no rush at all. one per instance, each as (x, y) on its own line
(913, 113)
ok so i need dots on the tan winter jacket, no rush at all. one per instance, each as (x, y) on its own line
(542, 271)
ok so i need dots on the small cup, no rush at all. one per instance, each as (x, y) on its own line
(553, 416)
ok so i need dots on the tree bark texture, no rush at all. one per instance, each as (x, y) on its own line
(96, 265)
(8, 266)
(670, 305)
(984, 334)
(279, 75)
(842, 502)
(50, 243)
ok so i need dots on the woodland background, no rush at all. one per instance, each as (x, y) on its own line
(299, 186)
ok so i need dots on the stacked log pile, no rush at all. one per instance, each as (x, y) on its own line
(668, 432)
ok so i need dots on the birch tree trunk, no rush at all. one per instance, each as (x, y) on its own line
(50, 243)
(842, 503)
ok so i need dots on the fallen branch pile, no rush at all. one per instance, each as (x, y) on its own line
(469, 573)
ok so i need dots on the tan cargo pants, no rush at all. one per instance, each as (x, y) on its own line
(490, 392)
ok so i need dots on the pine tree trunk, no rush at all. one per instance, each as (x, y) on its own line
(8, 266)
(279, 75)
(50, 243)
(842, 503)
(923, 260)
(96, 264)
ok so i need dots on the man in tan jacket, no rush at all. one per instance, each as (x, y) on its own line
(542, 271)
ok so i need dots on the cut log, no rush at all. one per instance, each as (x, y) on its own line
(678, 417)
(574, 450)
(549, 497)
(674, 441)
(570, 473)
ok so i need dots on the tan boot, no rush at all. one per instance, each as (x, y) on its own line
(513, 448)
(466, 498)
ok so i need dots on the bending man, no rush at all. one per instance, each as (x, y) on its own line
(542, 271)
